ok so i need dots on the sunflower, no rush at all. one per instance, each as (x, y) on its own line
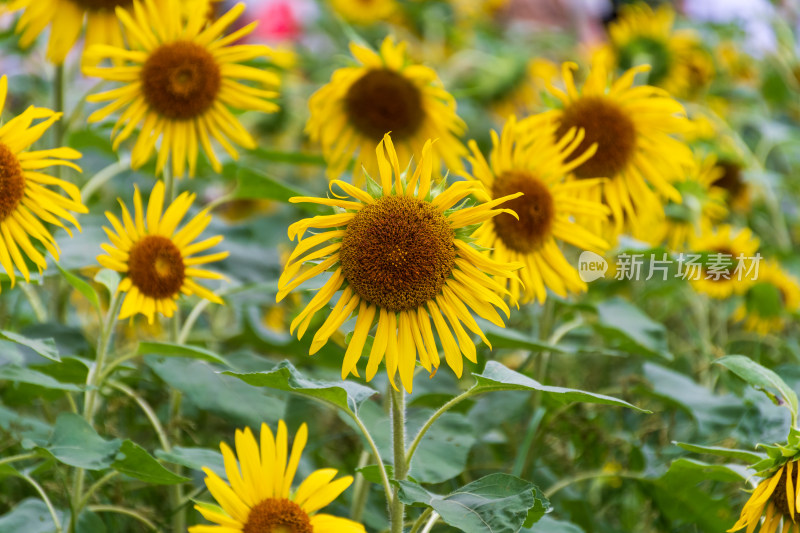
(179, 80)
(731, 179)
(777, 499)
(633, 128)
(643, 36)
(27, 198)
(767, 302)
(258, 496)
(702, 202)
(386, 93)
(156, 256)
(364, 12)
(525, 159)
(402, 255)
(728, 259)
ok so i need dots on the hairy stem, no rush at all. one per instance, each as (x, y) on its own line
(397, 510)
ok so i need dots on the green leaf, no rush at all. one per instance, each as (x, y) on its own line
(761, 378)
(372, 474)
(109, 279)
(343, 394)
(550, 525)
(728, 453)
(497, 377)
(509, 338)
(44, 347)
(444, 450)
(254, 184)
(496, 503)
(625, 326)
(74, 442)
(31, 516)
(27, 375)
(195, 458)
(81, 286)
(180, 350)
(132, 460)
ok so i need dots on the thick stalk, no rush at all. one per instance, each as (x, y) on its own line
(360, 490)
(176, 491)
(397, 510)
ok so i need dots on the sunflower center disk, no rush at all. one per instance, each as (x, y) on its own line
(731, 179)
(12, 182)
(608, 126)
(181, 80)
(779, 495)
(97, 5)
(155, 267)
(383, 101)
(398, 252)
(277, 516)
(535, 208)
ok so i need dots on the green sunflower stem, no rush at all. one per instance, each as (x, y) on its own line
(397, 509)
(176, 491)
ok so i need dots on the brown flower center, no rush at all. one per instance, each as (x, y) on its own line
(608, 126)
(383, 101)
(720, 265)
(181, 80)
(535, 209)
(97, 5)
(12, 182)
(277, 516)
(731, 179)
(155, 266)
(398, 252)
(778, 497)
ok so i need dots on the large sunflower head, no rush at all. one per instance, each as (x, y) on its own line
(401, 254)
(179, 79)
(526, 159)
(159, 260)
(776, 499)
(258, 497)
(29, 198)
(769, 300)
(634, 129)
(728, 260)
(386, 93)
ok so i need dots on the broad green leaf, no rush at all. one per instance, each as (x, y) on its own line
(44, 347)
(373, 475)
(74, 442)
(254, 184)
(24, 427)
(29, 516)
(109, 279)
(132, 460)
(549, 524)
(195, 458)
(629, 329)
(728, 453)
(343, 394)
(496, 503)
(180, 350)
(27, 375)
(81, 286)
(497, 377)
(444, 450)
(509, 338)
(761, 378)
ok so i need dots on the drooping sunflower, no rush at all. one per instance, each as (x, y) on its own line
(29, 198)
(179, 78)
(258, 496)
(401, 253)
(768, 301)
(157, 258)
(643, 36)
(777, 499)
(702, 203)
(526, 159)
(634, 129)
(386, 93)
(728, 259)
(364, 12)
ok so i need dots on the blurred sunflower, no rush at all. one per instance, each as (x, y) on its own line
(386, 93)
(731, 180)
(258, 496)
(526, 159)
(702, 202)
(27, 199)
(156, 256)
(401, 250)
(364, 12)
(643, 36)
(723, 251)
(776, 499)
(767, 302)
(179, 80)
(634, 130)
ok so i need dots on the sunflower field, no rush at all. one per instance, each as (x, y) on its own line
(399, 266)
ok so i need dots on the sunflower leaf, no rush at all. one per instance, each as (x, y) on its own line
(180, 350)
(728, 453)
(44, 347)
(492, 504)
(762, 379)
(134, 461)
(497, 377)
(81, 286)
